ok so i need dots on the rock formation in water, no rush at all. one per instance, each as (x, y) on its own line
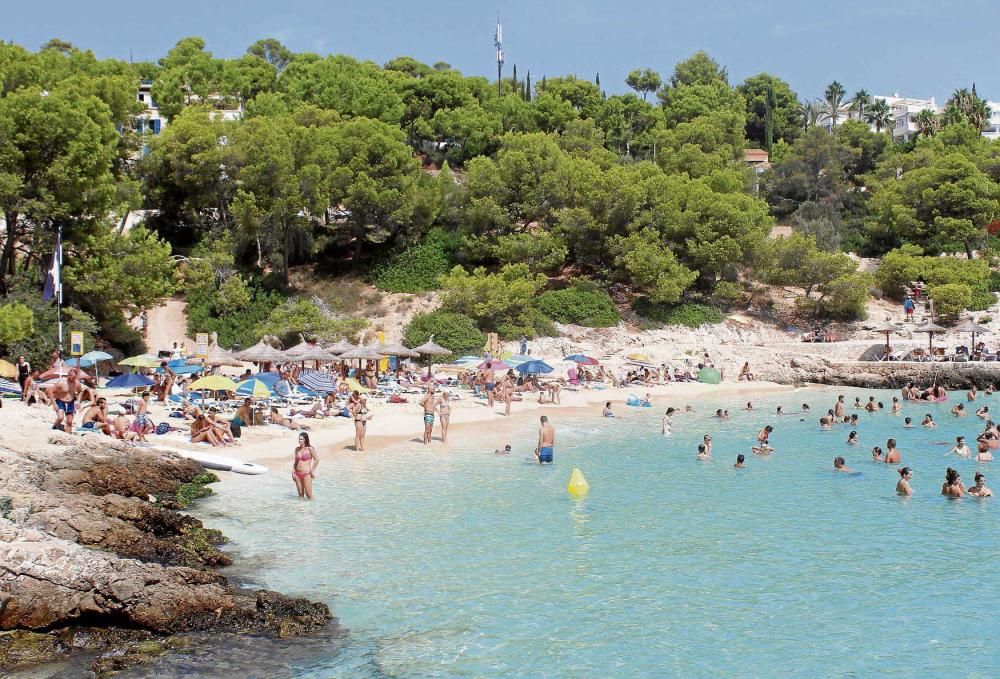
(88, 538)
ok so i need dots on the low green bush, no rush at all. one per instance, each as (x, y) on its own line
(950, 300)
(236, 327)
(846, 297)
(418, 268)
(453, 331)
(583, 303)
(900, 267)
(727, 292)
(687, 314)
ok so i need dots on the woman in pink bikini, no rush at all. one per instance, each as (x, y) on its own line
(304, 467)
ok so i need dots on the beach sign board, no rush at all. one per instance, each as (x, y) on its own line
(201, 339)
(76, 343)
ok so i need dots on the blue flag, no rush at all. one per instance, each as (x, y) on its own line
(53, 280)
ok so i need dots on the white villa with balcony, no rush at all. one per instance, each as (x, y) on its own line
(904, 114)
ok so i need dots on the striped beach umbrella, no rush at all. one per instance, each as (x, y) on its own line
(318, 381)
(253, 388)
(8, 387)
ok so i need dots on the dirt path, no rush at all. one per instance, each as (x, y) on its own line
(167, 324)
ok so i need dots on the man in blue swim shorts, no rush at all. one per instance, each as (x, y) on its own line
(546, 441)
(428, 402)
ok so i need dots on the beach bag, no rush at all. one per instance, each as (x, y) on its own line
(162, 428)
(236, 430)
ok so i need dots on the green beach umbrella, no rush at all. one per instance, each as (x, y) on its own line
(709, 376)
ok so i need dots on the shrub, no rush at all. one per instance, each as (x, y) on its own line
(846, 297)
(688, 314)
(496, 301)
(236, 327)
(16, 323)
(727, 292)
(453, 331)
(418, 268)
(904, 265)
(950, 300)
(302, 317)
(982, 298)
(583, 303)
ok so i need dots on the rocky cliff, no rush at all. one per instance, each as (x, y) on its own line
(90, 538)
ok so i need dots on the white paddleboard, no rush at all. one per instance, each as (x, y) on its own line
(220, 462)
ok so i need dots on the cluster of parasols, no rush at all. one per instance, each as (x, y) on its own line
(932, 329)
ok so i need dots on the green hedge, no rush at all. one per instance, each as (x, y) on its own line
(418, 268)
(453, 331)
(688, 314)
(583, 303)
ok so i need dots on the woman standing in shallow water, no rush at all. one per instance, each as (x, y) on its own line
(903, 485)
(304, 467)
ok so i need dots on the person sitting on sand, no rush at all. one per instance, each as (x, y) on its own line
(983, 453)
(903, 485)
(96, 417)
(122, 427)
(222, 427)
(244, 414)
(202, 431)
(877, 454)
(279, 419)
(980, 489)
(959, 410)
(840, 465)
(952, 486)
(928, 421)
(960, 449)
(892, 454)
(852, 438)
(745, 373)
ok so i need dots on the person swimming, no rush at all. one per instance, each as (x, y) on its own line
(896, 406)
(960, 449)
(959, 410)
(903, 485)
(703, 452)
(907, 423)
(952, 486)
(928, 421)
(840, 465)
(780, 410)
(877, 454)
(505, 451)
(892, 454)
(739, 462)
(749, 405)
(983, 453)
(980, 489)
(852, 438)
(667, 422)
(607, 410)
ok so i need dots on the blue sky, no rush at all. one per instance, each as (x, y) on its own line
(916, 47)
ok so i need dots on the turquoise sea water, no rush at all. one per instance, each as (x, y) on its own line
(460, 563)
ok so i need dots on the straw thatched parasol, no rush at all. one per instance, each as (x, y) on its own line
(971, 326)
(396, 349)
(340, 347)
(262, 352)
(931, 329)
(218, 356)
(316, 353)
(361, 354)
(296, 351)
(887, 327)
(429, 348)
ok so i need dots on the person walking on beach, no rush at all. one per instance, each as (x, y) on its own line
(507, 394)
(429, 402)
(23, 371)
(546, 441)
(444, 410)
(908, 307)
(359, 411)
(490, 385)
(64, 395)
(304, 467)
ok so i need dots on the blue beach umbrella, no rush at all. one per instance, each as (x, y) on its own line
(268, 378)
(81, 362)
(8, 387)
(95, 356)
(129, 381)
(533, 367)
(317, 381)
(255, 388)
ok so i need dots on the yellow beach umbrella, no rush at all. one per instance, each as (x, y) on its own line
(253, 387)
(142, 361)
(7, 369)
(213, 383)
(638, 357)
(354, 385)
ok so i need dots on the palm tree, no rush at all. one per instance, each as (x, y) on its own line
(860, 102)
(834, 99)
(810, 113)
(978, 114)
(927, 123)
(879, 115)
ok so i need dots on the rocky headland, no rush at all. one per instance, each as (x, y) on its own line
(94, 555)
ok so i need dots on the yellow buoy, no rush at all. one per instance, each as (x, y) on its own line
(578, 485)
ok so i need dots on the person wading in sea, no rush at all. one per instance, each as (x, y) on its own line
(546, 441)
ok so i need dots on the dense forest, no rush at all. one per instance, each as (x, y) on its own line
(546, 201)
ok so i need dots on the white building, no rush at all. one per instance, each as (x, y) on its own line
(149, 121)
(904, 114)
(993, 130)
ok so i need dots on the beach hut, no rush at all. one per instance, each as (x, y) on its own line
(431, 349)
(931, 329)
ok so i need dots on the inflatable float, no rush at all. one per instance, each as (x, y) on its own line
(637, 402)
